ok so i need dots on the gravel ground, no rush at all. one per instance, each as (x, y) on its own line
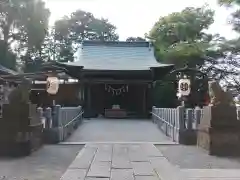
(48, 163)
(192, 157)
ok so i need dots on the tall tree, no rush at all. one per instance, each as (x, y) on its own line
(180, 37)
(23, 24)
(71, 30)
(34, 30)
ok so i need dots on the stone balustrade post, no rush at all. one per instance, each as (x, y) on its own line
(48, 115)
(189, 119)
(181, 120)
(40, 116)
(56, 116)
(198, 115)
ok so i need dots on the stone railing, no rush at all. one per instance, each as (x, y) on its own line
(60, 122)
(179, 123)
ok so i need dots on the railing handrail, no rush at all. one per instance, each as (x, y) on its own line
(162, 119)
(80, 114)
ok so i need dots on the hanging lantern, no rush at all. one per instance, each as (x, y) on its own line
(184, 87)
(52, 85)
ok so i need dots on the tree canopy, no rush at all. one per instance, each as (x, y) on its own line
(135, 39)
(180, 37)
(27, 40)
(23, 24)
(71, 30)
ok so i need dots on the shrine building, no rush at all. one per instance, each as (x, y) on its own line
(114, 79)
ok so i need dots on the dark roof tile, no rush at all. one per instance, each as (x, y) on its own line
(97, 55)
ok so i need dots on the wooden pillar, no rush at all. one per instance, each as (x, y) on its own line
(144, 100)
(149, 97)
(89, 96)
(87, 100)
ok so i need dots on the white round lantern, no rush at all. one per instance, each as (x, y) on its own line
(52, 85)
(184, 87)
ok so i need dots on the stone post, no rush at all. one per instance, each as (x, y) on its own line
(198, 114)
(153, 116)
(219, 129)
(56, 115)
(181, 119)
(40, 116)
(189, 114)
(48, 115)
(187, 135)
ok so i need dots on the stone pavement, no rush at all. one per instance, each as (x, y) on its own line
(139, 161)
(117, 130)
(119, 162)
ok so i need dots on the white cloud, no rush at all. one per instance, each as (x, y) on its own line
(136, 17)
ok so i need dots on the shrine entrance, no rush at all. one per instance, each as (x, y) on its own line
(119, 100)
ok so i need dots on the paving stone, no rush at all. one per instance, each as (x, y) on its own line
(122, 174)
(100, 170)
(134, 148)
(165, 170)
(142, 169)
(136, 154)
(212, 173)
(89, 178)
(212, 179)
(104, 153)
(146, 178)
(119, 149)
(120, 159)
(121, 163)
(151, 150)
(74, 174)
(84, 158)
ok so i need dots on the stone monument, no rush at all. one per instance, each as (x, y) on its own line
(219, 129)
(21, 128)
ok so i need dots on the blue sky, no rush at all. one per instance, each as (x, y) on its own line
(136, 17)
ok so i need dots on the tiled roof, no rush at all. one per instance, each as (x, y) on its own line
(96, 55)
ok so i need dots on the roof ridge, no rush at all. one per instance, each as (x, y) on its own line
(117, 43)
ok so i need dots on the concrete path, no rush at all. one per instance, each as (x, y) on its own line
(118, 130)
(135, 162)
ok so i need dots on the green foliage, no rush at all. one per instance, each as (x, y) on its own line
(165, 94)
(180, 38)
(135, 39)
(71, 30)
(22, 23)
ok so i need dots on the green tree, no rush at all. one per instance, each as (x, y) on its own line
(23, 24)
(71, 30)
(180, 37)
(135, 39)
